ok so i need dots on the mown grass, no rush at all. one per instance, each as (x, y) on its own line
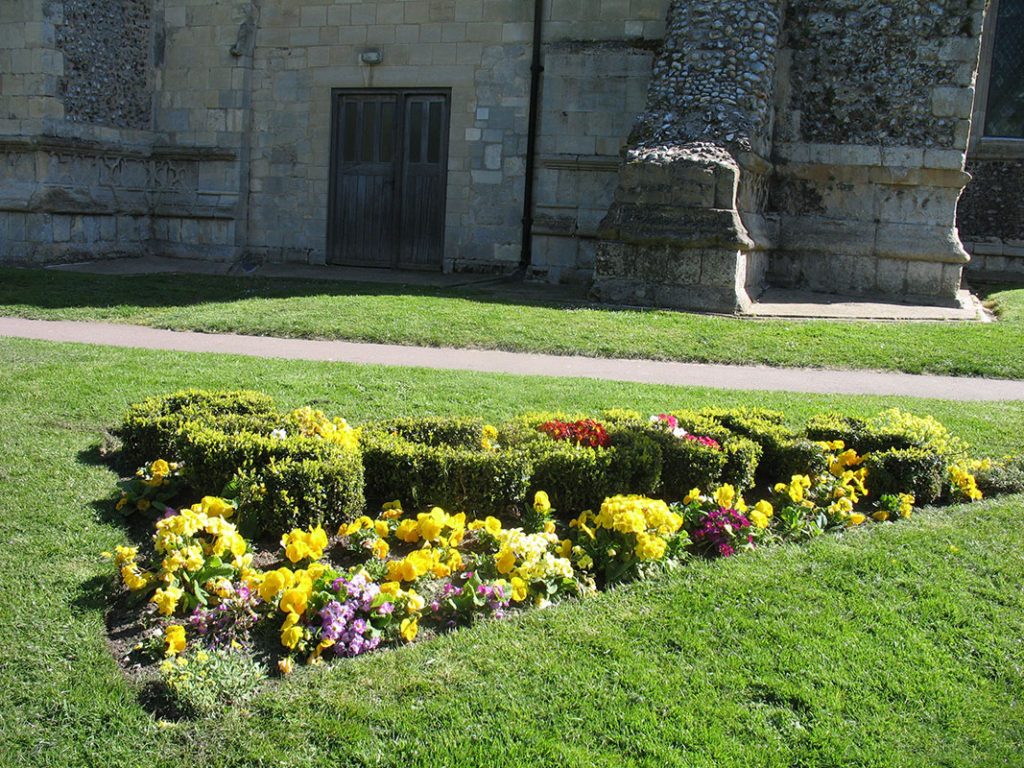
(893, 646)
(479, 318)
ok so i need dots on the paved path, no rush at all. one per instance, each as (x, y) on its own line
(647, 371)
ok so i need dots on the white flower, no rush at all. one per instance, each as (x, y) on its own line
(280, 434)
(679, 433)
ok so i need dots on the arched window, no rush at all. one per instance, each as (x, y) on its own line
(1004, 108)
(998, 121)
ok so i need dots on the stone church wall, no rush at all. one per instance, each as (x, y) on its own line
(990, 216)
(874, 115)
(688, 152)
(480, 49)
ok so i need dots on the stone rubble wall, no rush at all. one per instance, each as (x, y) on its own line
(990, 216)
(94, 171)
(874, 108)
(108, 74)
(694, 183)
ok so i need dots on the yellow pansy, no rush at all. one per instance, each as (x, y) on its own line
(166, 599)
(414, 602)
(294, 600)
(174, 636)
(541, 503)
(408, 629)
(505, 560)
(216, 507)
(273, 582)
(519, 589)
(291, 631)
(408, 531)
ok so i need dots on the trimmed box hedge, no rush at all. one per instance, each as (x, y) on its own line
(442, 462)
(149, 429)
(282, 478)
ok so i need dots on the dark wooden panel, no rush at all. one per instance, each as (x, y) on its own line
(424, 173)
(389, 157)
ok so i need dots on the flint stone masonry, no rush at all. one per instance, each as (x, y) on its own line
(990, 216)
(107, 47)
(846, 126)
(879, 72)
(687, 151)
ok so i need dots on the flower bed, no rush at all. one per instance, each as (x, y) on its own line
(213, 602)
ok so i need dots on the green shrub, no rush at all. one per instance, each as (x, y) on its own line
(280, 482)
(148, 431)
(827, 427)
(226, 439)
(295, 492)
(204, 682)
(919, 471)
(456, 433)
(414, 462)
(783, 452)
(579, 477)
(1005, 475)
(891, 429)
(687, 464)
(742, 458)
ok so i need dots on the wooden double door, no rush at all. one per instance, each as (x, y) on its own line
(389, 160)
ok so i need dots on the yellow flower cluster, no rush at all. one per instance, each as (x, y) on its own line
(191, 536)
(435, 526)
(158, 471)
(440, 562)
(489, 442)
(638, 514)
(185, 541)
(650, 521)
(291, 590)
(796, 489)
(301, 545)
(489, 524)
(133, 577)
(905, 508)
(316, 424)
(531, 556)
(964, 482)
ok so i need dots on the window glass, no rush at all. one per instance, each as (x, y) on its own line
(348, 134)
(369, 130)
(1004, 111)
(434, 132)
(415, 131)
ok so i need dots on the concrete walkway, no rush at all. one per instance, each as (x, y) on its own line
(744, 377)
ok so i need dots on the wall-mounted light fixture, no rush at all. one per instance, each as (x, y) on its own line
(371, 57)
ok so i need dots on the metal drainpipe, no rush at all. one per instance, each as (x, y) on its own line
(531, 138)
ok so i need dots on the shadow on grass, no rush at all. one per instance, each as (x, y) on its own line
(46, 289)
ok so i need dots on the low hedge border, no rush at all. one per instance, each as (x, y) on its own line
(283, 478)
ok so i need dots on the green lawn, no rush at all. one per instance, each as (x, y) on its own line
(475, 317)
(897, 645)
